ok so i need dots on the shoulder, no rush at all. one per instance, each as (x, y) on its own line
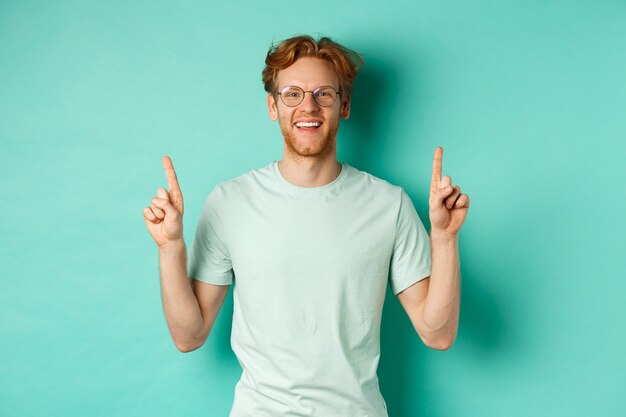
(373, 185)
(245, 186)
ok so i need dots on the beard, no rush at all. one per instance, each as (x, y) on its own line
(321, 148)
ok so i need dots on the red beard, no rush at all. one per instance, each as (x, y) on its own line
(321, 147)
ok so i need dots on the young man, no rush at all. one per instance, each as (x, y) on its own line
(310, 244)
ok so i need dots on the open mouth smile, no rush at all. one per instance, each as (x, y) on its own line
(310, 126)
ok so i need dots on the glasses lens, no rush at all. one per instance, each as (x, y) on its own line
(292, 96)
(325, 96)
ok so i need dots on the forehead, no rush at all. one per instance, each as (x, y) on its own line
(308, 72)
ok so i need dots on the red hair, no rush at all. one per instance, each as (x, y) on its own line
(346, 62)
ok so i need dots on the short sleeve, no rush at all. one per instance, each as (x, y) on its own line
(410, 260)
(209, 259)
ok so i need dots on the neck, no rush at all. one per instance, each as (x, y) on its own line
(309, 172)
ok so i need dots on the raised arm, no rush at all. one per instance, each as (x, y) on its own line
(190, 306)
(433, 304)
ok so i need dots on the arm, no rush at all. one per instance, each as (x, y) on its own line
(190, 306)
(433, 304)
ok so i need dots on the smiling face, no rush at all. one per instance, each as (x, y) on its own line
(309, 130)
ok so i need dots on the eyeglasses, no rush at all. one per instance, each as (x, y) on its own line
(324, 96)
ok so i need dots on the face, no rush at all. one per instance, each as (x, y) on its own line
(317, 142)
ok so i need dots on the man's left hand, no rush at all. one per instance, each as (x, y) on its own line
(447, 206)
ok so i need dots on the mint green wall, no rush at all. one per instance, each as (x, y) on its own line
(527, 98)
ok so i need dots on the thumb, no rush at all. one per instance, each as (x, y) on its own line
(437, 195)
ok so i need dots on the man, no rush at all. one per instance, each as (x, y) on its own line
(310, 244)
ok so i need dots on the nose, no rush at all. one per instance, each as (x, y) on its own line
(309, 104)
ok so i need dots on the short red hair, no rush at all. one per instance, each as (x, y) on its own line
(346, 62)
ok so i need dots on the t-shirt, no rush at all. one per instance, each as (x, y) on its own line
(310, 268)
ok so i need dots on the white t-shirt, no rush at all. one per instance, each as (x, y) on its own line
(310, 268)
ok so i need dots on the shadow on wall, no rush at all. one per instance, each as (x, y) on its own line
(221, 334)
(363, 135)
(387, 97)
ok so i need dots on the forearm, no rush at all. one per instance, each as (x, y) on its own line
(442, 303)
(182, 311)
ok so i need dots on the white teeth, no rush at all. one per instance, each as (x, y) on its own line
(308, 124)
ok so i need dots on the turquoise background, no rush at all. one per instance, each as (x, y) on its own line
(528, 99)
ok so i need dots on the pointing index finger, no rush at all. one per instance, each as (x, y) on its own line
(170, 174)
(437, 162)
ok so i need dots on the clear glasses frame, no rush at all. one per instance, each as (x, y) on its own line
(314, 92)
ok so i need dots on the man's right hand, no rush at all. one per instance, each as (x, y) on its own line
(164, 217)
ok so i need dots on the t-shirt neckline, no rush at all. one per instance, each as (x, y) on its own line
(310, 190)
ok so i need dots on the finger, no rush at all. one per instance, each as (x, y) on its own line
(158, 212)
(462, 201)
(446, 181)
(438, 195)
(437, 162)
(166, 207)
(452, 198)
(170, 174)
(149, 215)
(176, 195)
(162, 193)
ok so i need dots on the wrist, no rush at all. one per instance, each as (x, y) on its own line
(171, 247)
(439, 236)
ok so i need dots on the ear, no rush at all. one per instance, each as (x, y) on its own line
(345, 108)
(271, 107)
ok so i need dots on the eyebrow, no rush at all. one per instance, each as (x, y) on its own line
(321, 85)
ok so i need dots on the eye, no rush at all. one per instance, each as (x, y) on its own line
(292, 93)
